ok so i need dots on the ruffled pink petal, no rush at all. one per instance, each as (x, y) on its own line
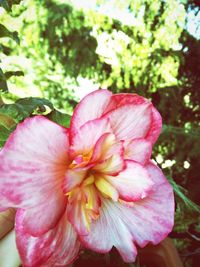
(108, 154)
(91, 107)
(106, 146)
(105, 188)
(83, 207)
(73, 178)
(78, 216)
(114, 231)
(118, 100)
(92, 200)
(41, 218)
(133, 183)
(83, 141)
(111, 166)
(131, 121)
(57, 247)
(123, 224)
(33, 164)
(155, 128)
(139, 150)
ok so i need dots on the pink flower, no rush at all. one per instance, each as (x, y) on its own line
(92, 184)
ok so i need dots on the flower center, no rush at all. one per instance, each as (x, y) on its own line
(90, 174)
(80, 161)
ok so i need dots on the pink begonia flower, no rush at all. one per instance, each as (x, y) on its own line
(92, 184)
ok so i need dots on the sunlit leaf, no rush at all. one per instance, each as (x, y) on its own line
(3, 83)
(5, 76)
(4, 32)
(7, 4)
(9, 74)
(5, 49)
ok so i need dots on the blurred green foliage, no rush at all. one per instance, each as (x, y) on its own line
(147, 50)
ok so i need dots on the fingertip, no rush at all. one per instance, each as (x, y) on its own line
(9, 256)
(7, 219)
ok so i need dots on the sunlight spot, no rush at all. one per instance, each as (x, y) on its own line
(186, 164)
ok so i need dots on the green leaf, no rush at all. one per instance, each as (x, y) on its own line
(7, 121)
(4, 134)
(34, 104)
(60, 118)
(5, 76)
(5, 49)
(12, 114)
(7, 125)
(3, 83)
(180, 192)
(4, 32)
(9, 74)
(3, 86)
(7, 5)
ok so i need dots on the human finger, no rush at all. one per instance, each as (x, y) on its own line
(9, 256)
(7, 219)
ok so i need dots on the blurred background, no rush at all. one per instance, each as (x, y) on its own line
(62, 50)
